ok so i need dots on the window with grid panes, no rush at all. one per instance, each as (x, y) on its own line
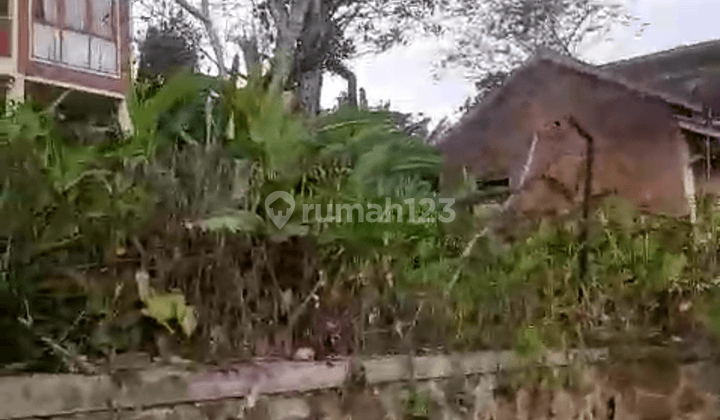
(77, 33)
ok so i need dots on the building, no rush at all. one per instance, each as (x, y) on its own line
(48, 47)
(651, 135)
(691, 72)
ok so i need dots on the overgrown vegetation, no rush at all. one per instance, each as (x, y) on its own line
(160, 242)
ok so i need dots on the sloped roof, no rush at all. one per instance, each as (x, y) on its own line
(689, 71)
(682, 58)
(460, 143)
(581, 68)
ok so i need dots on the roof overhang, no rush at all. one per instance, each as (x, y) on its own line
(691, 121)
(675, 59)
(699, 126)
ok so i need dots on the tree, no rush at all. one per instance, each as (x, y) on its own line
(485, 85)
(559, 25)
(330, 32)
(490, 41)
(166, 29)
(306, 37)
(168, 48)
(203, 15)
(491, 37)
(310, 37)
(289, 19)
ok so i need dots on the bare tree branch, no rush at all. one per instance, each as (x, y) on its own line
(576, 29)
(208, 56)
(203, 15)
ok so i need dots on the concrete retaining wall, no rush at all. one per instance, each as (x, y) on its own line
(448, 387)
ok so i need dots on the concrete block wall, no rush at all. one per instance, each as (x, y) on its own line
(461, 387)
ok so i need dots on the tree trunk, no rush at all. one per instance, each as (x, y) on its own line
(309, 90)
(289, 25)
(343, 71)
(251, 52)
(363, 100)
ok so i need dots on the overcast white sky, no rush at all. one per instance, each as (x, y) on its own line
(403, 75)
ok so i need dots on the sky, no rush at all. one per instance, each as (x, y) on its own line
(403, 75)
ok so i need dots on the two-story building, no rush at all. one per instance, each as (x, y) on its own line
(50, 46)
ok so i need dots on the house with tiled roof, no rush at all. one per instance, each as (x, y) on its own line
(649, 119)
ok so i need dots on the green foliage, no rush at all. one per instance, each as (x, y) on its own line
(63, 205)
(417, 405)
(530, 343)
(635, 260)
(168, 114)
(57, 196)
(166, 308)
(212, 160)
(208, 154)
